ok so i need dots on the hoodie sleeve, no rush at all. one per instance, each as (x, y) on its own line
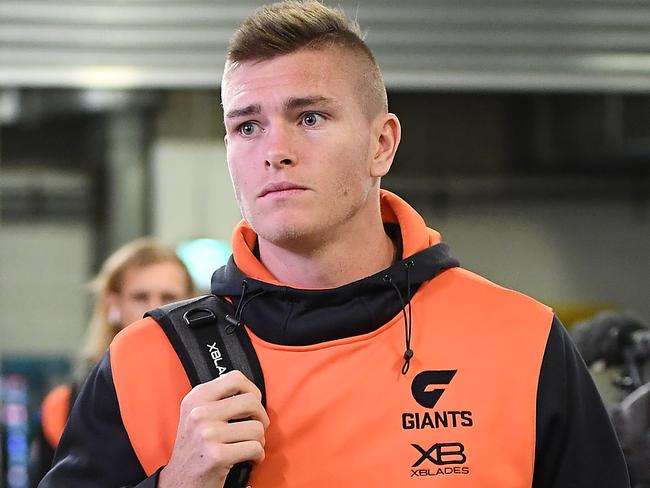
(40, 456)
(94, 451)
(575, 443)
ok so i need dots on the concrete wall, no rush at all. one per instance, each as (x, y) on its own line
(569, 255)
(43, 298)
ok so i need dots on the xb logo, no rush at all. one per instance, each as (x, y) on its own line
(442, 453)
(423, 386)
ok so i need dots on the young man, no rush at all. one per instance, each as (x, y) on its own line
(385, 363)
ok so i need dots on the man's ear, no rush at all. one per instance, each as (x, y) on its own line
(387, 135)
(225, 140)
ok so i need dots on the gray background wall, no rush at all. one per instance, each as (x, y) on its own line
(133, 111)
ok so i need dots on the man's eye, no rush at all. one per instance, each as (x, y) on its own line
(247, 128)
(310, 119)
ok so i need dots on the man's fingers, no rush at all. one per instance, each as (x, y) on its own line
(246, 430)
(244, 451)
(227, 385)
(239, 407)
(222, 424)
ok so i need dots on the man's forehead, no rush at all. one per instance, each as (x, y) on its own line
(300, 69)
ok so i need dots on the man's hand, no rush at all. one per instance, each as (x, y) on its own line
(208, 442)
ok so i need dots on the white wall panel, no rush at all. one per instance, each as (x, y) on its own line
(43, 294)
(423, 44)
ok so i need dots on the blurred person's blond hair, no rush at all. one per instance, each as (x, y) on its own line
(136, 254)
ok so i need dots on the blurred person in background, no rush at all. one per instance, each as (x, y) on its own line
(606, 337)
(139, 276)
(616, 347)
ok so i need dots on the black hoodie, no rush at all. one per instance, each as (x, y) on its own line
(575, 446)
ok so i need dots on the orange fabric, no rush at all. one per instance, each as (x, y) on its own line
(54, 413)
(150, 383)
(393, 209)
(338, 408)
(415, 235)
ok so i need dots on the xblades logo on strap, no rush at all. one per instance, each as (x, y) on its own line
(423, 386)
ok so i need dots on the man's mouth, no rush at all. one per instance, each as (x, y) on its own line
(282, 187)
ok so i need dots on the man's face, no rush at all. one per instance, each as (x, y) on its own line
(299, 145)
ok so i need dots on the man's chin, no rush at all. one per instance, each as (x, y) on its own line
(285, 236)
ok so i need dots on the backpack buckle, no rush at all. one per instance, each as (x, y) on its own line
(198, 317)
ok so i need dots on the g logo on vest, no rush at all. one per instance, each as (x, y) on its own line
(422, 383)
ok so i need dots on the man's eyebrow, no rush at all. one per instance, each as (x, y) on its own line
(291, 104)
(252, 109)
(301, 102)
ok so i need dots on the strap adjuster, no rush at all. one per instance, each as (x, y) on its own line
(198, 317)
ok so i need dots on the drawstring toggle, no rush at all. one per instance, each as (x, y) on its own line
(408, 352)
(233, 323)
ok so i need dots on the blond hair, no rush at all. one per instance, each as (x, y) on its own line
(289, 26)
(136, 254)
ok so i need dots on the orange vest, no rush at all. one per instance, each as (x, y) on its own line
(54, 413)
(342, 414)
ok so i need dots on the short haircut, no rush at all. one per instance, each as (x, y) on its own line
(291, 25)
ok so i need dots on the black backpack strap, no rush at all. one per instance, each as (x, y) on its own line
(205, 342)
(208, 345)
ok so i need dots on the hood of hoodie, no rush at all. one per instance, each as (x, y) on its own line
(285, 315)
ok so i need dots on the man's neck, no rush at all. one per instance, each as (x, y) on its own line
(349, 257)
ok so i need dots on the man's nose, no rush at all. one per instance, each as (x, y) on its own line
(280, 152)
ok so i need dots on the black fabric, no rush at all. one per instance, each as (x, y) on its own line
(163, 319)
(575, 443)
(289, 316)
(198, 328)
(41, 454)
(94, 451)
(395, 233)
(74, 392)
(576, 446)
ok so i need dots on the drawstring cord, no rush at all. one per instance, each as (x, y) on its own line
(408, 352)
(235, 321)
